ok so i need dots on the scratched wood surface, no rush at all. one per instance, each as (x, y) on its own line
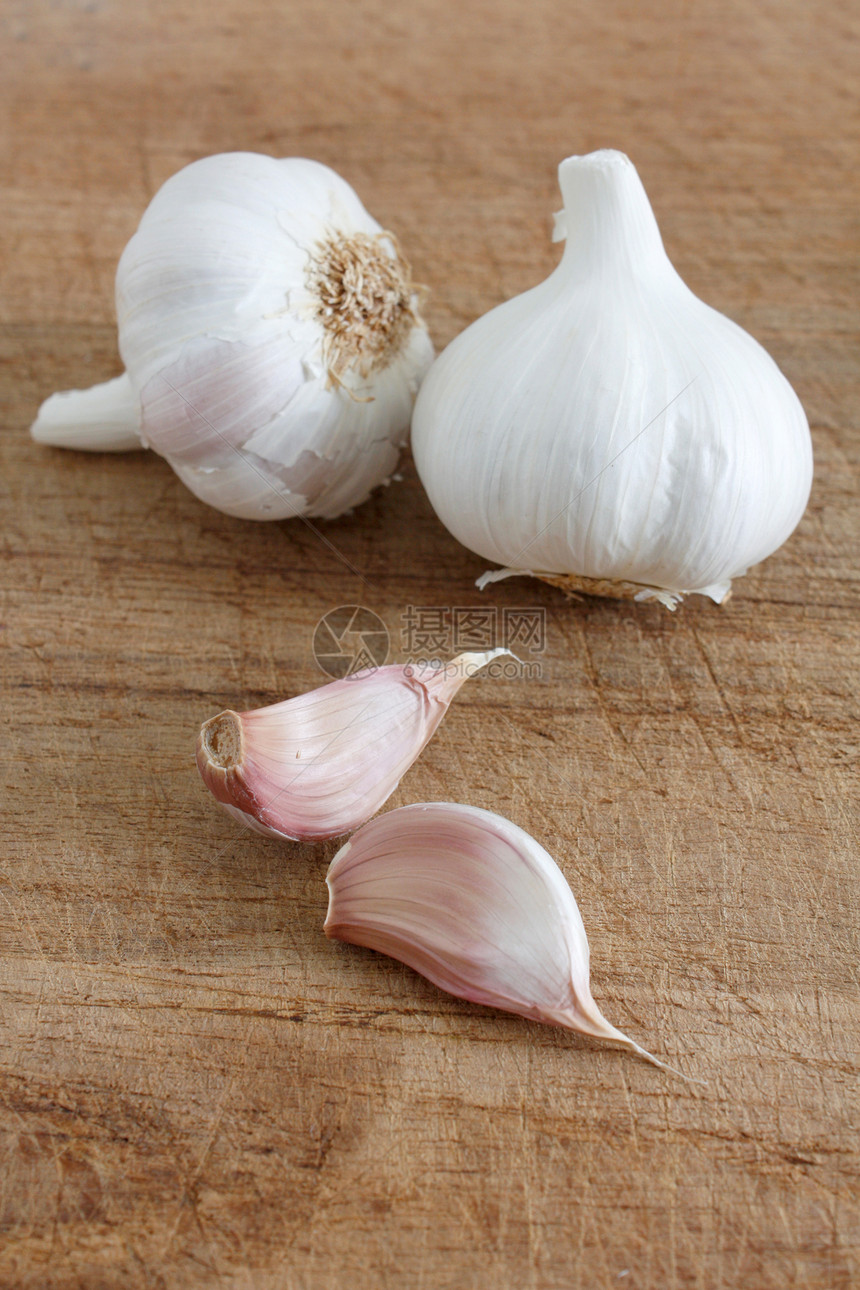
(196, 1087)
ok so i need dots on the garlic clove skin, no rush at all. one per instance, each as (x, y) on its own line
(271, 337)
(476, 905)
(320, 764)
(608, 430)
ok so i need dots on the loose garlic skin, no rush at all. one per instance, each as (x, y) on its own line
(271, 337)
(607, 430)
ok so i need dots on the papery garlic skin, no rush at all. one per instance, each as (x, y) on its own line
(271, 337)
(318, 765)
(475, 904)
(608, 427)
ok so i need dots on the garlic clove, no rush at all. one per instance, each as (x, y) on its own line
(474, 904)
(607, 430)
(104, 418)
(272, 340)
(318, 765)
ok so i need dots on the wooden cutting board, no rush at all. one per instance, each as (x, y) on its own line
(198, 1089)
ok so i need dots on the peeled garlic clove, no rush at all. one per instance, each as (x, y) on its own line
(607, 431)
(476, 905)
(318, 765)
(271, 337)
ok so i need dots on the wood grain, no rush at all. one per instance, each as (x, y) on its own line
(196, 1088)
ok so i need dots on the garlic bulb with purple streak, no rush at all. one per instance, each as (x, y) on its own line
(271, 338)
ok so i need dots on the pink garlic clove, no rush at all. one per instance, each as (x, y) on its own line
(318, 765)
(477, 906)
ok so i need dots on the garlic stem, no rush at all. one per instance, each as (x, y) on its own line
(607, 218)
(104, 418)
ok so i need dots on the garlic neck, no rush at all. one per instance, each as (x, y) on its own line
(607, 219)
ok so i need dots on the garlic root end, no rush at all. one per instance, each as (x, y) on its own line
(221, 741)
(574, 585)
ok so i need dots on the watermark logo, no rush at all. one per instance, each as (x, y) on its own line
(353, 639)
(431, 633)
(350, 639)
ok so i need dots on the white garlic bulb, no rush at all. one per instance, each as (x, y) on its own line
(271, 337)
(607, 430)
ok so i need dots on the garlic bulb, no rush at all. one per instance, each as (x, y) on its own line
(271, 337)
(607, 431)
(318, 765)
(476, 905)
